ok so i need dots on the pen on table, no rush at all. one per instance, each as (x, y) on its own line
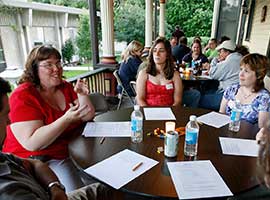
(137, 166)
(102, 140)
(199, 122)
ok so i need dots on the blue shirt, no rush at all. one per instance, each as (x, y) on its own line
(261, 103)
(128, 71)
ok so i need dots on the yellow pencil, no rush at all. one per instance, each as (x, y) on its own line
(102, 140)
(137, 166)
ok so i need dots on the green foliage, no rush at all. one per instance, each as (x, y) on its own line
(83, 39)
(70, 74)
(69, 3)
(5, 9)
(194, 16)
(129, 22)
(68, 50)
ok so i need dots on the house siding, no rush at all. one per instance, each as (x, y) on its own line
(35, 23)
(260, 31)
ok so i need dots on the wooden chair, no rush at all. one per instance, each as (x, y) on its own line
(123, 93)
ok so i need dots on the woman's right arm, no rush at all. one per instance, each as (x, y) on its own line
(34, 135)
(223, 105)
(140, 88)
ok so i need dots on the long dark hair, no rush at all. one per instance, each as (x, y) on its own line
(169, 65)
(37, 54)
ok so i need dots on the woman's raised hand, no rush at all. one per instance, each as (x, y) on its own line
(81, 87)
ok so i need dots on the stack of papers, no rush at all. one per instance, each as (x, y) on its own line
(214, 119)
(107, 129)
(158, 114)
(239, 147)
(121, 168)
(197, 179)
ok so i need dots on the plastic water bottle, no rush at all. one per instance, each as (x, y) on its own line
(191, 138)
(136, 125)
(235, 116)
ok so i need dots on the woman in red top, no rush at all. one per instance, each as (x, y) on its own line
(159, 84)
(45, 111)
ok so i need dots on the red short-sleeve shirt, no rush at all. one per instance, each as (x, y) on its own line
(26, 104)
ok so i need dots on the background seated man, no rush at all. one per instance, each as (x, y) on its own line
(210, 49)
(225, 69)
(27, 179)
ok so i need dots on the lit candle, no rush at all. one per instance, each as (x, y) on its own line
(170, 126)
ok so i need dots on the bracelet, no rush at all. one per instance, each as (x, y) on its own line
(58, 184)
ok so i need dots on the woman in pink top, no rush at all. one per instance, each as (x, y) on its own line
(159, 84)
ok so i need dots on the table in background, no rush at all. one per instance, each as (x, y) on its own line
(199, 82)
(238, 172)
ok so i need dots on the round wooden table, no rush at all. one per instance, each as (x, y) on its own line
(238, 172)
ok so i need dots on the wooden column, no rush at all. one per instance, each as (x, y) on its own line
(162, 18)
(148, 23)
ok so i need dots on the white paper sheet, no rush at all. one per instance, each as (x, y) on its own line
(107, 129)
(158, 114)
(214, 119)
(204, 76)
(117, 170)
(239, 147)
(197, 179)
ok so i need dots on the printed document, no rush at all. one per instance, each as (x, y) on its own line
(158, 114)
(107, 129)
(239, 147)
(121, 168)
(214, 119)
(197, 179)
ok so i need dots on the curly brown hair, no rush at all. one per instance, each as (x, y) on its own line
(259, 64)
(37, 54)
(169, 65)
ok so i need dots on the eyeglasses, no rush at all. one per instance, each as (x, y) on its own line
(50, 66)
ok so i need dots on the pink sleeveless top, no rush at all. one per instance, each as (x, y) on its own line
(159, 95)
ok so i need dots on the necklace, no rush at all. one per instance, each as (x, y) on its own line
(247, 95)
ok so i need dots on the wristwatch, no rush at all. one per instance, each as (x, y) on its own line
(58, 184)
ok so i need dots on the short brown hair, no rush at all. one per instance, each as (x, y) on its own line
(259, 64)
(37, 54)
(169, 65)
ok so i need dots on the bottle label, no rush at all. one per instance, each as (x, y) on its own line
(191, 137)
(136, 125)
(235, 115)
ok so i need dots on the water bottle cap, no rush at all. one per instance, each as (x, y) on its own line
(136, 107)
(192, 118)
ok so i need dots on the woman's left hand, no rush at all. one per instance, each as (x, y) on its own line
(261, 134)
(81, 87)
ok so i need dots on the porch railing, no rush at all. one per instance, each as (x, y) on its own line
(99, 80)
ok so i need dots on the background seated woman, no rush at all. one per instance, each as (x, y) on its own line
(129, 66)
(159, 84)
(196, 59)
(250, 90)
(45, 111)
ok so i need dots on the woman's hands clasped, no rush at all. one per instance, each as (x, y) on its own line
(76, 112)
